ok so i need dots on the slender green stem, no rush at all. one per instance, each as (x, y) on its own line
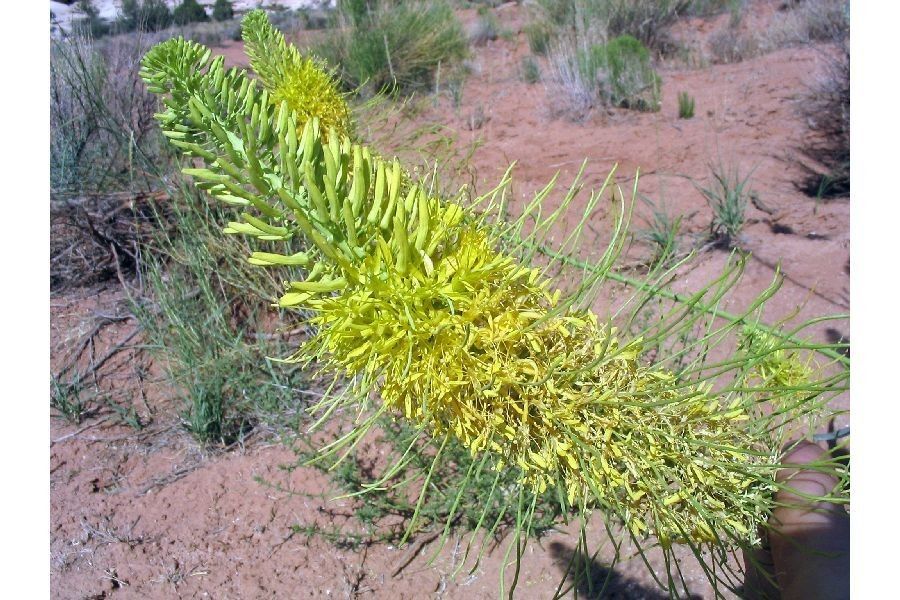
(683, 299)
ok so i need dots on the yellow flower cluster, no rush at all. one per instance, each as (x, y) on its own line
(463, 339)
(290, 77)
(412, 298)
(776, 367)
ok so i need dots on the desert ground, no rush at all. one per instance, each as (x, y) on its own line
(151, 513)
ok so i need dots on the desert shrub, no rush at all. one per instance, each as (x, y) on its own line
(539, 34)
(316, 18)
(685, 106)
(222, 10)
(730, 45)
(646, 20)
(189, 11)
(531, 71)
(632, 82)
(486, 28)
(615, 74)
(705, 8)
(815, 21)
(727, 195)
(143, 15)
(826, 109)
(618, 74)
(211, 343)
(661, 234)
(574, 79)
(102, 134)
(291, 20)
(396, 47)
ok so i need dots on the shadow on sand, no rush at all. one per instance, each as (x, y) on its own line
(588, 579)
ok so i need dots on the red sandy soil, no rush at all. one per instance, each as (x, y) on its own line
(150, 514)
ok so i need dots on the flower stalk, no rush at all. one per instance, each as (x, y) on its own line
(439, 310)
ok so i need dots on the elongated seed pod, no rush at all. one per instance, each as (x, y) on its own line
(316, 195)
(266, 259)
(263, 226)
(400, 240)
(194, 149)
(334, 202)
(334, 145)
(283, 113)
(323, 285)
(378, 198)
(360, 188)
(422, 229)
(350, 224)
(289, 200)
(394, 195)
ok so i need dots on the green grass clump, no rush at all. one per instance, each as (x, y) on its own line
(531, 71)
(210, 341)
(685, 106)
(395, 47)
(539, 34)
(661, 234)
(621, 73)
(633, 83)
(618, 73)
(486, 28)
(727, 196)
(67, 399)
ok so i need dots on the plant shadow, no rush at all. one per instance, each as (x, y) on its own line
(589, 579)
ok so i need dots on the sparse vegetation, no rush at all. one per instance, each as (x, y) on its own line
(486, 28)
(89, 22)
(539, 34)
(531, 70)
(815, 21)
(826, 109)
(728, 46)
(616, 74)
(103, 137)
(395, 46)
(595, 21)
(661, 234)
(208, 319)
(211, 342)
(726, 194)
(685, 106)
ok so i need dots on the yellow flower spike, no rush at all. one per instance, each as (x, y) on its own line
(290, 78)
(460, 333)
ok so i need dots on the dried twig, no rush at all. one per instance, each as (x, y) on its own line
(82, 430)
